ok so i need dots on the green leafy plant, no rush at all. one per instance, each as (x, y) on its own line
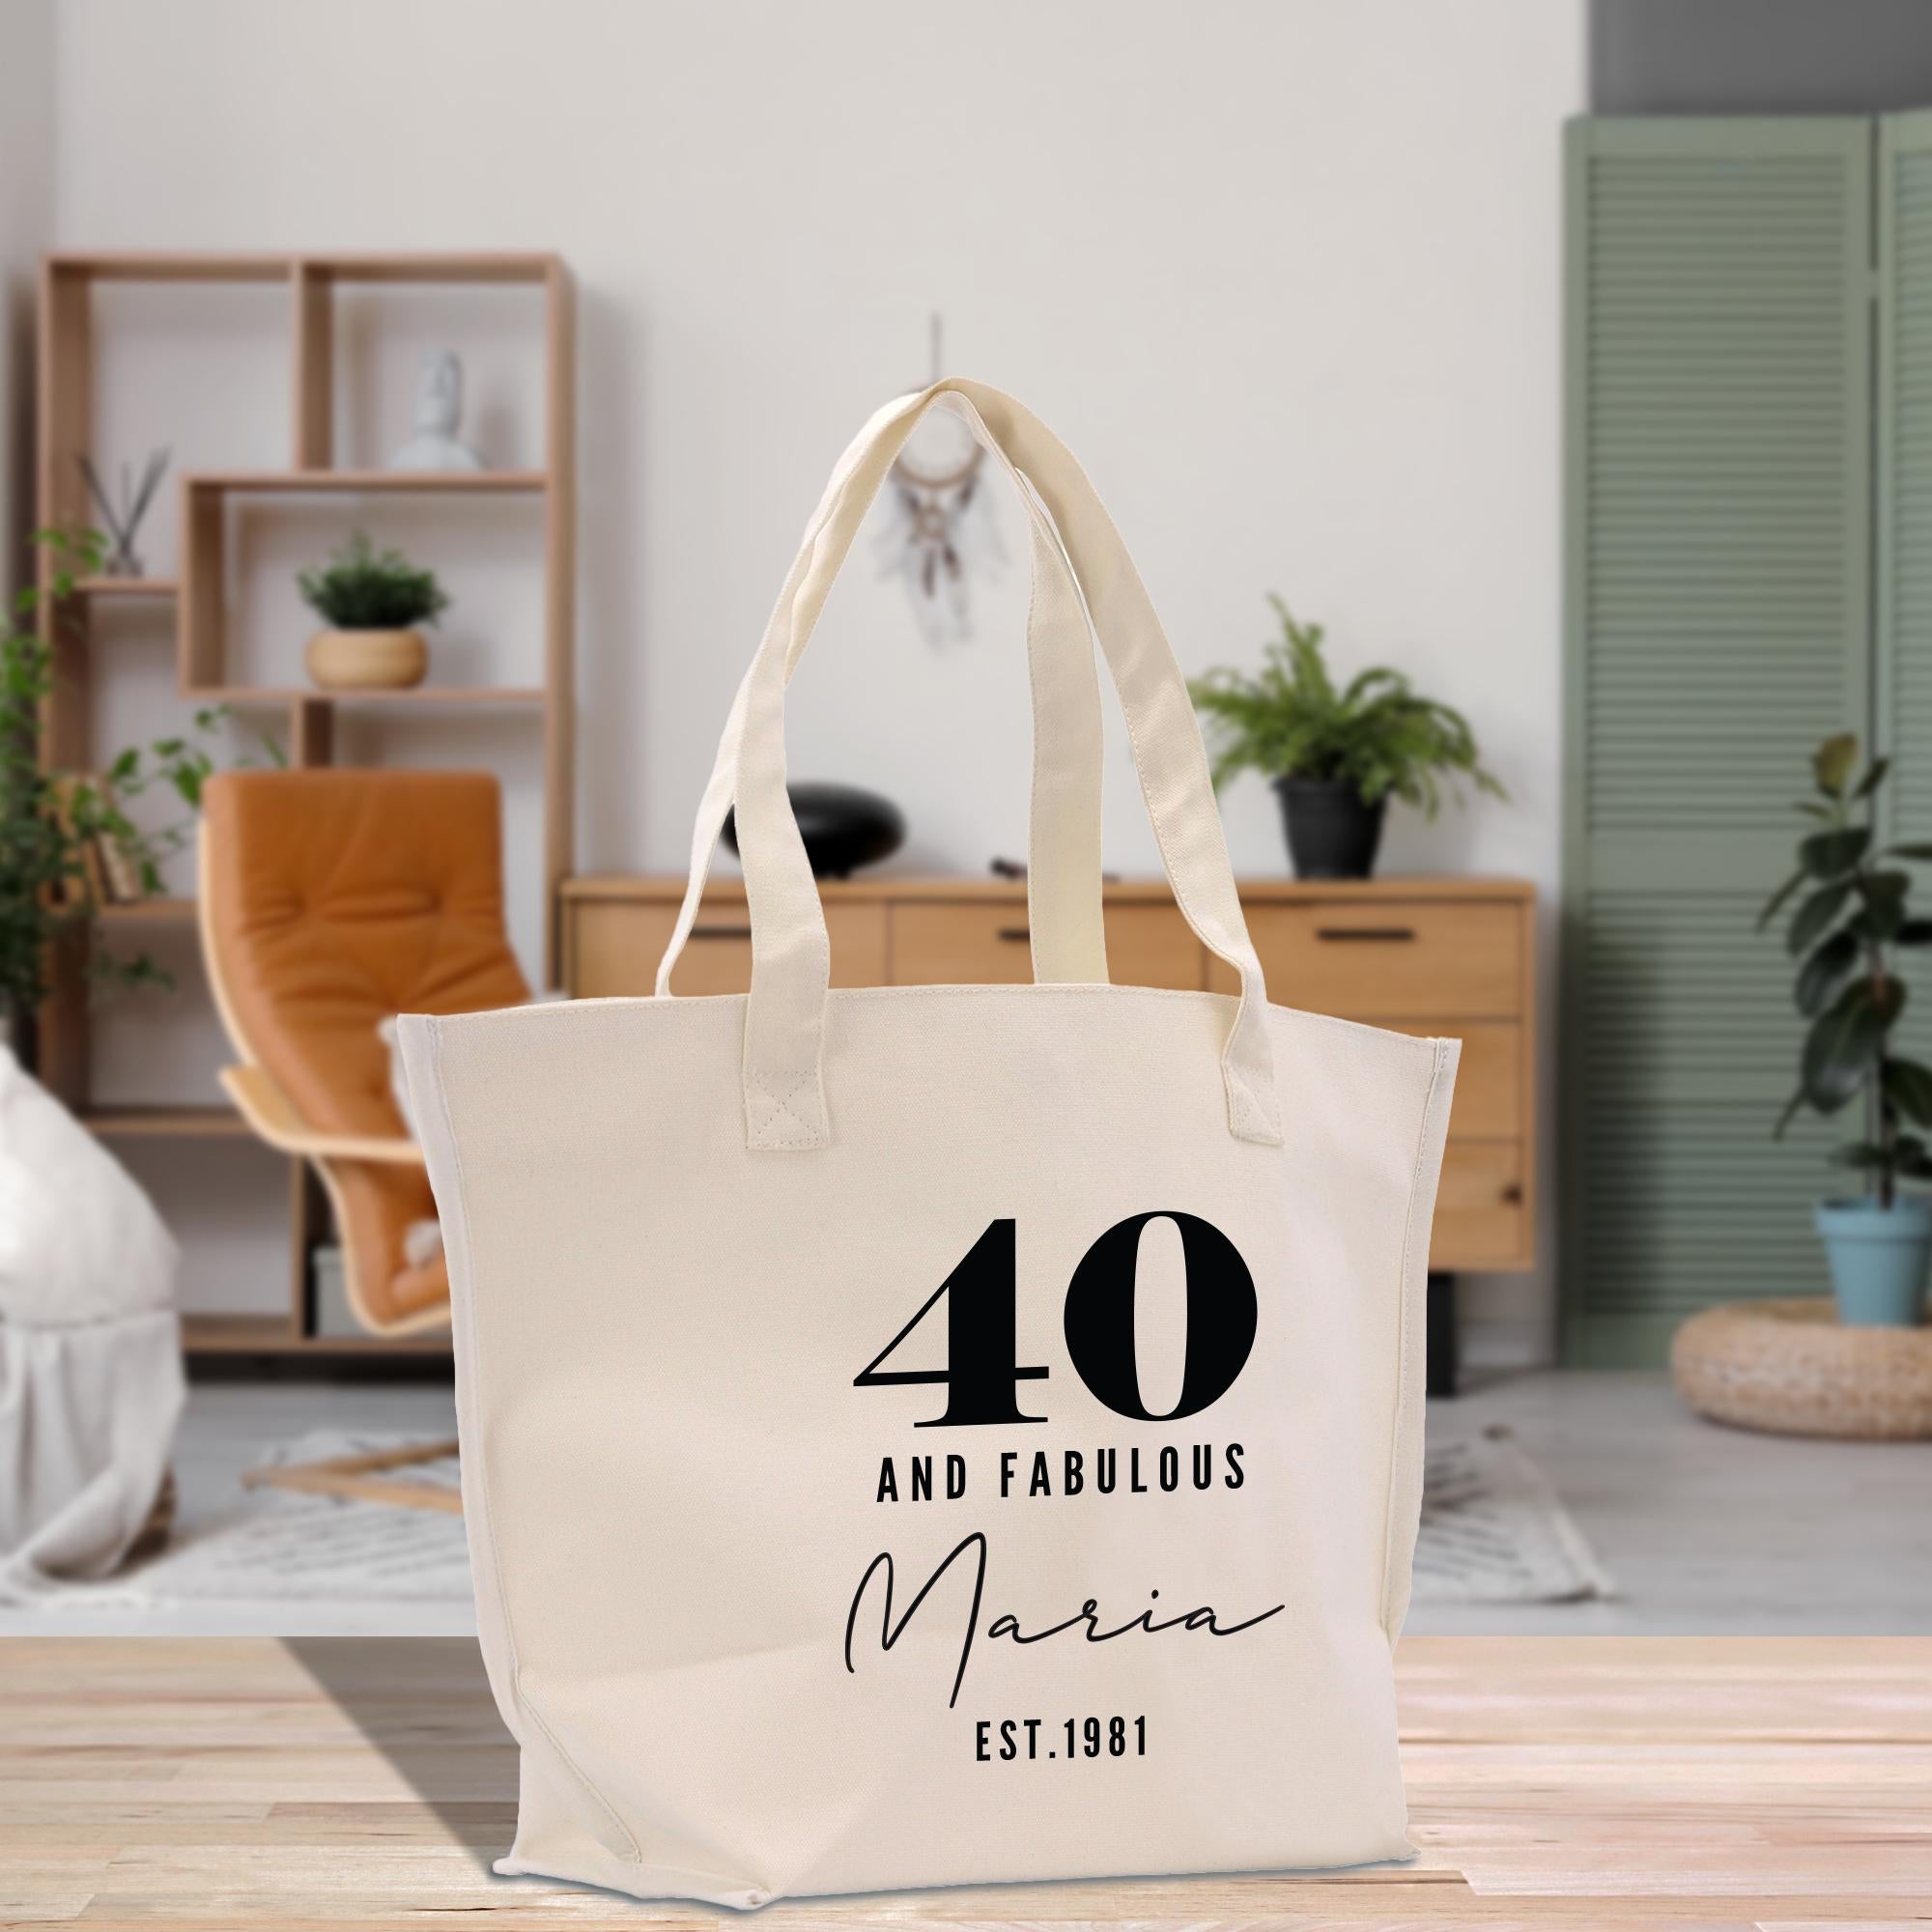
(362, 588)
(1852, 913)
(1373, 734)
(52, 823)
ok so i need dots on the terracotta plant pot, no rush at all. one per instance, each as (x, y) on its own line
(367, 660)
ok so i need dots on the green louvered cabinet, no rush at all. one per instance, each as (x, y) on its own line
(1903, 424)
(1721, 461)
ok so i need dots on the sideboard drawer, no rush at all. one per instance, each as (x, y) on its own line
(936, 943)
(1389, 958)
(614, 945)
(1480, 1209)
(1488, 1102)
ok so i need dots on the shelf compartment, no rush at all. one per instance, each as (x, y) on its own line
(144, 912)
(190, 1123)
(351, 482)
(250, 696)
(157, 265)
(165, 266)
(238, 1335)
(203, 617)
(277, 1335)
(125, 587)
(532, 270)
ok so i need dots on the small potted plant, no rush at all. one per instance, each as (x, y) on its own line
(1842, 932)
(371, 601)
(1335, 756)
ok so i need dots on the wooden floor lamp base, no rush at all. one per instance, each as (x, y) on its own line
(362, 1478)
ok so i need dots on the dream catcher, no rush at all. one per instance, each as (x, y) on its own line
(941, 528)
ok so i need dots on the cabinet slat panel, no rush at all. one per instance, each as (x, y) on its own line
(1717, 576)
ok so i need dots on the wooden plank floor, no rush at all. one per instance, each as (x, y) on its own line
(1694, 1783)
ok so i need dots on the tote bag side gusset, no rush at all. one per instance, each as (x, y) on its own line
(417, 1036)
(1405, 1497)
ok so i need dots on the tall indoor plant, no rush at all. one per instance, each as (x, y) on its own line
(53, 824)
(1844, 933)
(1335, 755)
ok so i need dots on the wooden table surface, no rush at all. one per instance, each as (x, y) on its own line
(1589, 1781)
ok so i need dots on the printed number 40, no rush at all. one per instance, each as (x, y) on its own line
(982, 1373)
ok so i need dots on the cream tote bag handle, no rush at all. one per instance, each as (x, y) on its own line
(784, 1015)
(1065, 927)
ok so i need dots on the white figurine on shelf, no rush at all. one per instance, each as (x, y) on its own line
(436, 446)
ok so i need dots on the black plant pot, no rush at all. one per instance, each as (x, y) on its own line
(1332, 832)
(843, 828)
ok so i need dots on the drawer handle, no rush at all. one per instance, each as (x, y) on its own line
(1389, 933)
(720, 933)
(1020, 935)
(1512, 1193)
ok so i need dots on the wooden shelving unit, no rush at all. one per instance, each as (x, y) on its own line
(65, 416)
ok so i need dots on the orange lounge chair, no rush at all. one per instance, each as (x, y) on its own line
(331, 901)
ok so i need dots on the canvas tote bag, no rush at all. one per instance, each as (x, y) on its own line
(925, 1435)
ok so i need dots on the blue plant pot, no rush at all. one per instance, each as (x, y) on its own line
(1878, 1258)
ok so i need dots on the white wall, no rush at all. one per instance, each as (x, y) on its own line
(1285, 274)
(26, 223)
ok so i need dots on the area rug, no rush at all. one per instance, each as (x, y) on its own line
(1493, 1531)
(280, 1543)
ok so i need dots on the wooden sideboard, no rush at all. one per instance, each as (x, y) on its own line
(1446, 956)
